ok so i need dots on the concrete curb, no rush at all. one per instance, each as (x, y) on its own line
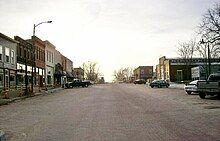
(2, 136)
(7, 101)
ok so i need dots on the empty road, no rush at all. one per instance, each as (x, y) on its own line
(113, 112)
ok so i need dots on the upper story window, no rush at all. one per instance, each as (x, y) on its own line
(7, 57)
(47, 55)
(52, 57)
(0, 52)
(12, 56)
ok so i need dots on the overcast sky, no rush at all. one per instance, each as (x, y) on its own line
(114, 33)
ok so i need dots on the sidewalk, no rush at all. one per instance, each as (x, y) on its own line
(7, 101)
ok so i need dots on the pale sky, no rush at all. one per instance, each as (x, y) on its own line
(114, 33)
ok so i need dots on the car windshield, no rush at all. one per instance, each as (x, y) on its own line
(214, 77)
(193, 82)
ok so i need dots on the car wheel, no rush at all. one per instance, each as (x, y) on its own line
(202, 95)
(151, 86)
(188, 92)
(167, 86)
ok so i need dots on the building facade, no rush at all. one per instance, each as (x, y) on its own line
(177, 69)
(24, 61)
(143, 72)
(49, 63)
(69, 70)
(8, 60)
(79, 73)
(58, 68)
(39, 61)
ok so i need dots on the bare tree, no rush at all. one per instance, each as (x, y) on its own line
(186, 51)
(123, 74)
(209, 29)
(91, 71)
(214, 48)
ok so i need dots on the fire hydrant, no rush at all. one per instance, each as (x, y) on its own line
(5, 93)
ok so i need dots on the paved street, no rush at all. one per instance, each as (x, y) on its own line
(113, 112)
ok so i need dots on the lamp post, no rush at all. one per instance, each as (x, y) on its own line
(209, 57)
(33, 53)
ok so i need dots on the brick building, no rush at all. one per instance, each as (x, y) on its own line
(143, 72)
(39, 61)
(79, 73)
(177, 69)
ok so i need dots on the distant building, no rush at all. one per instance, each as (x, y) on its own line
(8, 61)
(58, 68)
(177, 69)
(69, 70)
(101, 80)
(79, 73)
(143, 72)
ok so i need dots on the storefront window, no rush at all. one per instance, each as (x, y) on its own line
(1, 80)
(48, 79)
(12, 78)
(20, 79)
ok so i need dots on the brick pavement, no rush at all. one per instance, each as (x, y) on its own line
(112, 113)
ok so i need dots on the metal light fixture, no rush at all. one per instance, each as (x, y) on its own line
(209, 58)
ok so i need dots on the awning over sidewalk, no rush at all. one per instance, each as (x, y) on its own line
(69, 74)
(59, 73)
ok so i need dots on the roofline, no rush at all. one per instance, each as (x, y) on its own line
(8, 38)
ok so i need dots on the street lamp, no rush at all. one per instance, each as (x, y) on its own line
(209, 57)
(33, 53)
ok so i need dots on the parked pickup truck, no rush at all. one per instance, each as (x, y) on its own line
(210, 86)
(77, 83)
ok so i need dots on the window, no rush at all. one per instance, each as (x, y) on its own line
(142, 71)
(12, 78)
(1, 77)
(47, 56)
(20, 50)
(52, 57)
(12, 56)
(0, 52)
(25, 54)
(7, 54)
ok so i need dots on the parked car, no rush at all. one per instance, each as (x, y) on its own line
(210, 86)
(140, 81)
(78, 83)
(191, 87)
(159, 84)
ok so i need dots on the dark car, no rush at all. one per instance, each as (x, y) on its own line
(78, 83)
(140, 81)
(159, 84)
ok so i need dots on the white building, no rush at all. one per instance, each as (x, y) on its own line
(49, 63)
